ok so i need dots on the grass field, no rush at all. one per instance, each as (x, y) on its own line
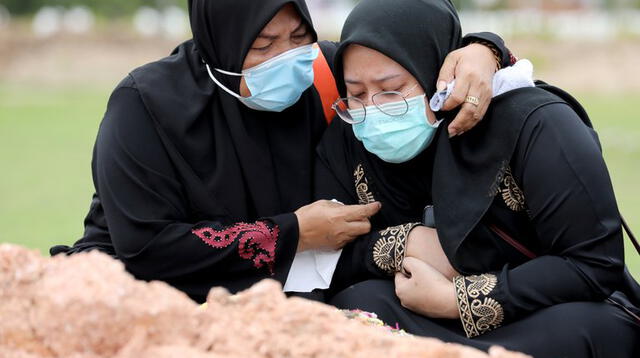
(47, 134)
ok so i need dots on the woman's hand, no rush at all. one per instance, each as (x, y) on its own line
(424, 245)
(426, 291)
(473, 68)
(327, 225)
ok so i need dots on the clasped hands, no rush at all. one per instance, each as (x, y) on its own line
(425, 284)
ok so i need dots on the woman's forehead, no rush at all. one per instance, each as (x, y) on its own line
(360, 60)
(286, 19)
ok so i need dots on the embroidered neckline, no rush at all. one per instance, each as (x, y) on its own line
(365, 196)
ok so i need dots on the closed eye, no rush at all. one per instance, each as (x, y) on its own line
(300, 36)
(263, 48)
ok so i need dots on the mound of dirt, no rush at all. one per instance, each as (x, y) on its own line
(88, 306)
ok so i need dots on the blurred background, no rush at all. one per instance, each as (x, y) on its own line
(60, 59)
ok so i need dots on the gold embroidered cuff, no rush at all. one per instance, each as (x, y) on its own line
(389, 249)
(478, 312)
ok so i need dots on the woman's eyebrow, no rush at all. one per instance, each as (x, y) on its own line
(377, 80)
(268, 36)
(386, 78)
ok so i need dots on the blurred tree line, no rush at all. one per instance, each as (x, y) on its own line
(114, 8)
(108, 8)
(501, 4)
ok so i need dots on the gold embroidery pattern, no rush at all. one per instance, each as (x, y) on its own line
(497, 183)
(362, 186)
(463, 307)
(490, 314)
(511, 192)
(482, 314)
(389, 249)
(481, 284)
(382, 254)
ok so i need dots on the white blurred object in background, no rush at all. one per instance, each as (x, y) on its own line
(485, 3)
(329, 15)
(47, 21)
(147, 21)
(79, 20)
(5, 17)
(572, 25)
(175, 22)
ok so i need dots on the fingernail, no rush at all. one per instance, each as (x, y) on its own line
(441, 86)
(452, 132)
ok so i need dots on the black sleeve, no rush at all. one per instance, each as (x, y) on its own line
(150, 221)
(507, 58)
(571, 204)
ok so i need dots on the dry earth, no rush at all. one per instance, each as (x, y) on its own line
(88, 306)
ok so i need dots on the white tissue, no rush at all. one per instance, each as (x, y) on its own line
(519, 75)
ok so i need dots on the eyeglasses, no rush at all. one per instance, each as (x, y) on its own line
(353, 110)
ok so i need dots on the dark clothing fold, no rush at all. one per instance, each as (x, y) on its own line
(192, 187)
(523, 205)
(554, 197)
(575, 329)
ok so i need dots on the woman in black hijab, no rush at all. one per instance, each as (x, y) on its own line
(198, 188)
(528, 250)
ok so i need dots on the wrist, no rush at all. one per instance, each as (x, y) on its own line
(494, 52)
(453, 311)
(301, 246)
(302, 243)
(450, 302)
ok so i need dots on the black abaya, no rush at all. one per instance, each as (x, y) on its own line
(532, 169)
(192, 187)
(574, 329)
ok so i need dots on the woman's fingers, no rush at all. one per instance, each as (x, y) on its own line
(447, 72)
(460, 91)
(473, 73)
(466, 119)
(400, 281)
(360, 212)
(357, 228)
(410, 264)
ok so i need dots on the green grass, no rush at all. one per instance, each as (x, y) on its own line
(46, 140)
(47, 134)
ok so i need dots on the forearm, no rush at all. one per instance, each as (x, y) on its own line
(506, 58)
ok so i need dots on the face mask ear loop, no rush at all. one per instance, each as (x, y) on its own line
(220, 84)
(438, 122)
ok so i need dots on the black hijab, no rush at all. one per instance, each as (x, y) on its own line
(418, 34)
(250, 164)
(458, 176)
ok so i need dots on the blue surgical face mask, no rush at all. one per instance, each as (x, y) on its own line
(278, 83)
(395, 139)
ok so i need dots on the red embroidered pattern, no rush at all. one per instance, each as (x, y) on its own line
(257, 242)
